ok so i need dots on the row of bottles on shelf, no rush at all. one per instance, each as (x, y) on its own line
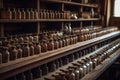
(19, 46)
(82, 67)
(21, 13)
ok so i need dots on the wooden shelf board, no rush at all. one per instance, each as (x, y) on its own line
(46, 20)
(72, 3)
(27, 63)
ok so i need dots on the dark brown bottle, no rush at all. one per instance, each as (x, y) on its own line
(32, 14)
(44, 46)
(18, 12)
(20, 51)
(28, 14)
(13, 53)
(5, 55)
(35, 14)
(26, 50)
(14, 15)
(31, 49)
(37, 48)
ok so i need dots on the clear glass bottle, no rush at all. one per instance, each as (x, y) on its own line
(10, 14)
(32, 14)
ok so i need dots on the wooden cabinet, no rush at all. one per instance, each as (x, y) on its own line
(65, 30)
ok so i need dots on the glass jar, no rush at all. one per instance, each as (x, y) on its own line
(5, 55)
(13, 53)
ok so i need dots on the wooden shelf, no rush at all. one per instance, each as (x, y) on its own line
(72, 3)
(14, 67)
(75, 61)
(101, 68)
(46, 20)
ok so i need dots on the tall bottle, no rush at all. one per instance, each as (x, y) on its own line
(14, 15)
(23, 16)
(32, 51)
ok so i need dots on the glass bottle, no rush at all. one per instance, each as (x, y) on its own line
(18, 14)
(36, 14)
(51, 45)
(32, 14)
(60, 43)
(20, 51)
(30, 38)
(14, 15)
(28, 14)
(5, 55)
(56, 44)
(10, 13)
(44, 46)
(23, 14)
(26, 50)
(20, 39)
(31, 49)
(37, 48)
(13, 53)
